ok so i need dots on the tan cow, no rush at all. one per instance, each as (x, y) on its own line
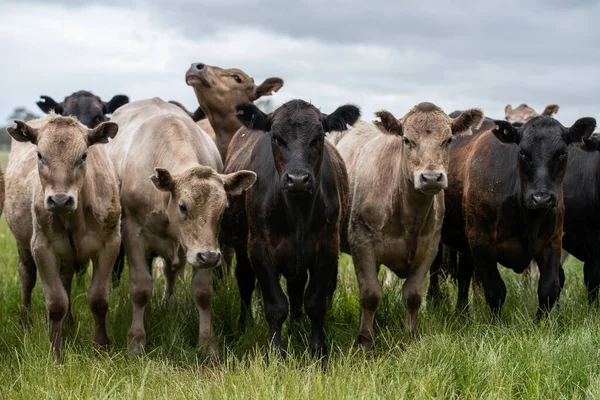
(524, 113)
(173, 200)
(218, 90)
(397, 174)
(62, 205)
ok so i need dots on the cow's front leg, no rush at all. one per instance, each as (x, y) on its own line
(591, 276)
(99, 290)
(140, 285)
(412, 291)
(549, 285)
(365, 267)
(202, 291)
(57, 300)
(275, 302)
(493, 286)
(315, 302)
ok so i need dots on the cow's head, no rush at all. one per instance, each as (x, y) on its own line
(524, 113)
(89, 109)
(62, 150)
(198, 197)
(219, 89)
(542, 156)
(297, 130)
(427, 133)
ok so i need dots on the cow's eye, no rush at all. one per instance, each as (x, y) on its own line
(316, 142)
(408, 142)
(278, 140)
(183, 208)
(447, 141)
(523, 156)
(84, 157)
(237, 78)
(40, 156)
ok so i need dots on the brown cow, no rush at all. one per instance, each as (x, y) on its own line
(218, 90)
(173, 200)
(397, 175)
(524, 113)
(63, 209)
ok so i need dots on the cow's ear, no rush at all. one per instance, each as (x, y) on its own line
(102, 133)
(163, 180)
(467, 120)
(237, 182)
(550, 110)
(387, 123)
(581, 129)
(343, 116)
(507, 110)
(506, 132)
(592, 143)
(267, 88)
(114, 103)
(252, 118)
(47, 105)
(23, 132)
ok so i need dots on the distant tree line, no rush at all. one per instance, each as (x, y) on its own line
(18, 113)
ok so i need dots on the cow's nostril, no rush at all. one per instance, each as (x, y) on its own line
(51, 201)
(305, 179)
(69, 202)
(200, 66)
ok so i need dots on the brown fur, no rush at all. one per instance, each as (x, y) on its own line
(218, 92)
(60, 244)
(524, 113)
(164, 161)
(394, 220)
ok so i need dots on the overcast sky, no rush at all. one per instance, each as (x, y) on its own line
(390, 55)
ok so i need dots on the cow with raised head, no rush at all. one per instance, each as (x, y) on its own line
(505, 205)
(218, 90)
(88, 108)
(62, 205)
(398, 173)
(173, 198)
(289, 222)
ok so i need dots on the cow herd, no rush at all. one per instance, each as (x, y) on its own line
(286, 192)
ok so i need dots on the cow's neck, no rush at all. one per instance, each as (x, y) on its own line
(225, 125)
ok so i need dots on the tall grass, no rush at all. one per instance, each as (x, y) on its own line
(456, 355)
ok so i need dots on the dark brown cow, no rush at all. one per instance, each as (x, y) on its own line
(505, 205)
(289, 222)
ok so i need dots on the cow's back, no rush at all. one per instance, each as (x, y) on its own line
(147, 117)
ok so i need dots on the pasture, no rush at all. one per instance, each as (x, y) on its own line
(457, 356)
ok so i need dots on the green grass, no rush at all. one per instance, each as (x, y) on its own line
(455, 357)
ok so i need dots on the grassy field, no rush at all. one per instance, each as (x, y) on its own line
(455, 357)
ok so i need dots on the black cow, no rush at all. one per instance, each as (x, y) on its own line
(89, 109)
(505, 204)
(582, 215)
(289, 222)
